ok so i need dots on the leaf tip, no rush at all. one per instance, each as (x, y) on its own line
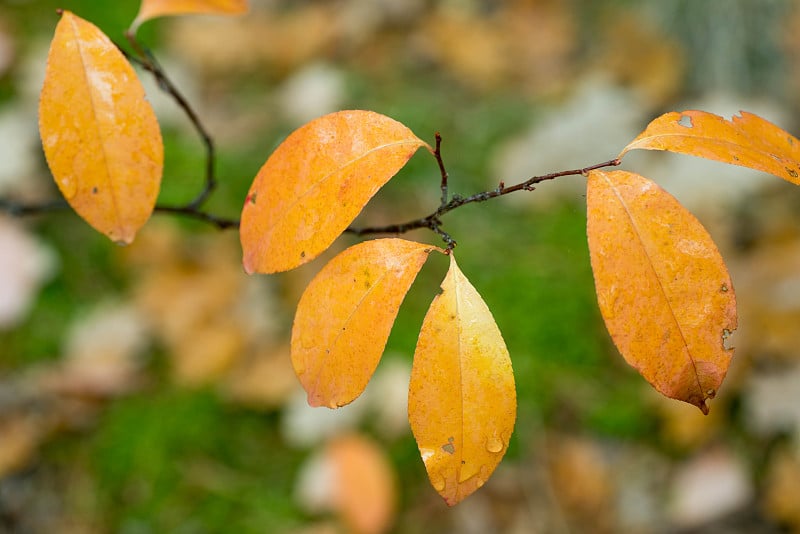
(247, 263)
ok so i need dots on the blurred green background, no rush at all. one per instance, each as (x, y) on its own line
(149, 388)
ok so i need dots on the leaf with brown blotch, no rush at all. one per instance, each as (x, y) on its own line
(346, 313)
(746, 140)
(150, 9)
(663, 289)
(100, 135)
(461, 400)
(316, 182)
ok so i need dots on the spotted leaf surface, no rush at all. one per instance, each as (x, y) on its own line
(100, 135)
(316, 182)
(461, 400)
(746, 140)
(346, 313)
(663, 289)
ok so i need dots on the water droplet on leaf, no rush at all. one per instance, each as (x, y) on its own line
(69, 187)
(494, 444)
(426, 454)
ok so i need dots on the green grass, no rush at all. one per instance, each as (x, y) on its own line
(168, 460)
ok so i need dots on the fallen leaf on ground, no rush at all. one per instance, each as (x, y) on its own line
(352, 477)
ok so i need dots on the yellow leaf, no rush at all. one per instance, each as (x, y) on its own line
(346, 313)
(461, 400)
(663, 289)
(151, 9)
(100, 136)
(746, 140)
(316, 182)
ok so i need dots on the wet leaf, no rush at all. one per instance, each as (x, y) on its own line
(461, 400)
(663, 289)
(151, 9)
(315, 183)
(99, 134)
(346, 313)
(746, 140)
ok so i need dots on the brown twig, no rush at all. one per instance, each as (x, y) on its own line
(147, 61)
(21, 209)
(433, 221)
(189, 211)
(437, 153)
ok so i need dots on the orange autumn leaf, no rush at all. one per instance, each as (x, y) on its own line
(663, 289)
(316, 182)
(100, 136)
(150, 9)
(746, 140)
(461, 400)
(346, 313)
(363, 482)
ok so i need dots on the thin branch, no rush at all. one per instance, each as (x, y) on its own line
(433, 221)
(147, 61)
(437, 153)
(190, 211)
(21, 209)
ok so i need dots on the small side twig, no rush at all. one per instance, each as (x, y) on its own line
(147, 61)
(437, 153)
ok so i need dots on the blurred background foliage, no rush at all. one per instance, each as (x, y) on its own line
(149, 389)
